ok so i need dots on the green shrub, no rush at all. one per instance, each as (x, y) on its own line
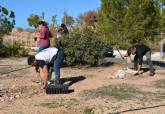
(88, 110)
(13, 50)
(83, 47)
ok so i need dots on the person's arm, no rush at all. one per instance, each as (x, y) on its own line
(44, 74)
(43, 71)
(126, 55)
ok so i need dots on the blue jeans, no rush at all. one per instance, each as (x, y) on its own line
(42, 48)
(58, 63)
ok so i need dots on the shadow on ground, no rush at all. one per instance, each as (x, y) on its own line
(71, 80)
(145, 69)
(157, 63)
(63, 88)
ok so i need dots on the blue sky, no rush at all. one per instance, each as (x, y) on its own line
(23, 8)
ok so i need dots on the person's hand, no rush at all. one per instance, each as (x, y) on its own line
(122, 56)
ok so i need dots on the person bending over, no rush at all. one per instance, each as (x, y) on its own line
(45, 59)
(139, 51)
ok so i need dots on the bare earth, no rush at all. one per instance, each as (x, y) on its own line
(94, 91)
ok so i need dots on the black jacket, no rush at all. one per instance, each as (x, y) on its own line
(141, 50)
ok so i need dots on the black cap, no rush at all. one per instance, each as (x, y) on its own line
(31, 59)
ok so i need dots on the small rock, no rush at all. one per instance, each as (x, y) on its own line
(106, 101)
(120, 74)
(17, 96)
(11, 98)
(5, 97)
(2, 99)
(1, 86)
(13, 86)
(162, 85)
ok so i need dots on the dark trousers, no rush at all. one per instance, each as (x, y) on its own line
(148, 59)
(58, 64)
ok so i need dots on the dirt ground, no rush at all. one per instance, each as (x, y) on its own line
(95, 91)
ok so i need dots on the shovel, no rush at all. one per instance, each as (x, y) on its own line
(116, 60)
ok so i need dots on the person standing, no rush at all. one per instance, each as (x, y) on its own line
(43, 35)
(62, 31)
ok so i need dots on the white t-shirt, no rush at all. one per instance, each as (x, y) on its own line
(46, 54)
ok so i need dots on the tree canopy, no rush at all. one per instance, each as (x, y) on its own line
(129, 20)
(33, 20)
(67, 19)
(7, 21)
(87, 18)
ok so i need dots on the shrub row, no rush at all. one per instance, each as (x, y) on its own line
(13, 50)
(84, 47)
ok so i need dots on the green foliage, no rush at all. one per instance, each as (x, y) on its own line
(83, 47)
(53, 39)
(12, 15)
(33, 20)
(5, 11)
(13, 50)
(128, 21)
(49, 104)
(88, 110)
(68, 20)
(88, 18)
(7, 22)
(54, 21)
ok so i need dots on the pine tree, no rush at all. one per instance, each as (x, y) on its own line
(128, 21)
